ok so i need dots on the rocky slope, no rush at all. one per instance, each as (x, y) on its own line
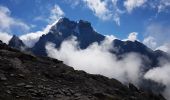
(27, 77)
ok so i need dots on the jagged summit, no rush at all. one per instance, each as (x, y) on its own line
(64, 29)
(64, 25)
(16, 42)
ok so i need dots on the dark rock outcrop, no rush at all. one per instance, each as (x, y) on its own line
(17, 43)
(27, 77)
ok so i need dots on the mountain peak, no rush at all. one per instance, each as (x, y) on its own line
(63, 24)
(84, 22)
(63, 19)
(85, 26)
(16, 42)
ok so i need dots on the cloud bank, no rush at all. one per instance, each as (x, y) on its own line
(97, 59)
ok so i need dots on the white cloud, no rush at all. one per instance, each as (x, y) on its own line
(105, 9)
(5, 37)
(7, 22)
(165, 47)
(56, 13)
(132, 4)
(163, 5)
(39, 18)
(116, 18)
(133, 36)
(99, 8)
(73, 3)
(110, 37)
(150, 41)
(157, 36)
(161, 75)
(31, 38)
(97, 59)
(159, 5)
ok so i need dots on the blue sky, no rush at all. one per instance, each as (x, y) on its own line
(108, 17)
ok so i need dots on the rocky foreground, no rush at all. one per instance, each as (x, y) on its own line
(27, 77)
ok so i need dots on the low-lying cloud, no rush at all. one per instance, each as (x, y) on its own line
(31, 38)
(5, 37)
(161, 75)
(97, 59)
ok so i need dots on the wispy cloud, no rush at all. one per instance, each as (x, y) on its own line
(105, 9)
(56, 13)
(157, 36)
(99, 8)
(132, 4)
(31, 38)
(97, 59)
(7, 22)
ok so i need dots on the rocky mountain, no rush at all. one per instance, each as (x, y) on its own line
(86, 35)
(28, 77)
(17, 43)
(63, 30)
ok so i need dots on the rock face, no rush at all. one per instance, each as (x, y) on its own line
(15, 42)
(65, 29)
(27, 77)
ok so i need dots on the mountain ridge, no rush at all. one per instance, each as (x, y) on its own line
(85, 35)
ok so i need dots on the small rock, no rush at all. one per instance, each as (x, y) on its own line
(28, 86)
(31, 82)
(12, 75)
(2, 77)
(40, 86)
(51, 96)
(133, 88)
(21, 84)
(77, 94)
(71, 91)
(8, 91)
(5, 83)
(21, 75)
